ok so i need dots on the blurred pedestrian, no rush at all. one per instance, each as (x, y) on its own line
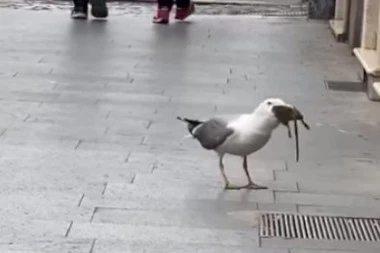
(184, 9)
(98, 9)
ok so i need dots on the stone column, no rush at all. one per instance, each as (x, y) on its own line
(378, 32)
(370, 24)
(346, 11)
(339, 9)
(339, 24)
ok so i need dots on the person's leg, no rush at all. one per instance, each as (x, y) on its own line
(80, 9)
(184, 9)
(163, 11)
(99, 8)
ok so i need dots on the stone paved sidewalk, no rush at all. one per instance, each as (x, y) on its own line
(209, 7)
(92, 158)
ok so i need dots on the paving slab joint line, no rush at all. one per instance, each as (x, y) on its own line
(80, 200)
(133, 179)
(106, 131)
(69, 229)
(92, 246)
(128, 156)
(150, 122)
(93, 213)
(55, 86)
(142, 142)
(154, 167)
(259, 243)
(104, 188)
(107, 115)
(3, 132)
(78, 144)
(26, 118)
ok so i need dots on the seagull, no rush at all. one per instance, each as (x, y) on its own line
(242, 135)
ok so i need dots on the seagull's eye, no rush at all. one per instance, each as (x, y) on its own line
(269, 103)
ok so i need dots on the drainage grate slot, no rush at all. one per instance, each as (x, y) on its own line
(345, 86)
(319, 227)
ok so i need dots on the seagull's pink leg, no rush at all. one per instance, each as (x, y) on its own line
(251, 185)
(227, 185)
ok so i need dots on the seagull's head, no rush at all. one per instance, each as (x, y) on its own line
(272, 106)
(278, 110)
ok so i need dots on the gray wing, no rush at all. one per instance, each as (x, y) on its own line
(212, 133)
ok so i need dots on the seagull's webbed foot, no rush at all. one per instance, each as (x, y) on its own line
(254, 186)
(229, 186)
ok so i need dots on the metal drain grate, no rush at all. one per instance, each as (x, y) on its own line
(297, 226)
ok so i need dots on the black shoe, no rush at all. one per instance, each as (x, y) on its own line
(99, 8)
(79, 12)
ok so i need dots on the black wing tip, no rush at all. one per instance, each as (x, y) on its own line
(182, 119)
(191, 121)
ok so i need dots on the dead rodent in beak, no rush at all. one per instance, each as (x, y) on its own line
(285, 114)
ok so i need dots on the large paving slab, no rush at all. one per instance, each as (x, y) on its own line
(93, 159)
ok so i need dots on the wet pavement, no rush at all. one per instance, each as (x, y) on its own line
(205, 7)
(93, 159)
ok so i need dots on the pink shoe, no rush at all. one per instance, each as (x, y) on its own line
(162, 15)
(183, 13)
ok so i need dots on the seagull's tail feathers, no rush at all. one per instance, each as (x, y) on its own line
(191, 123)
